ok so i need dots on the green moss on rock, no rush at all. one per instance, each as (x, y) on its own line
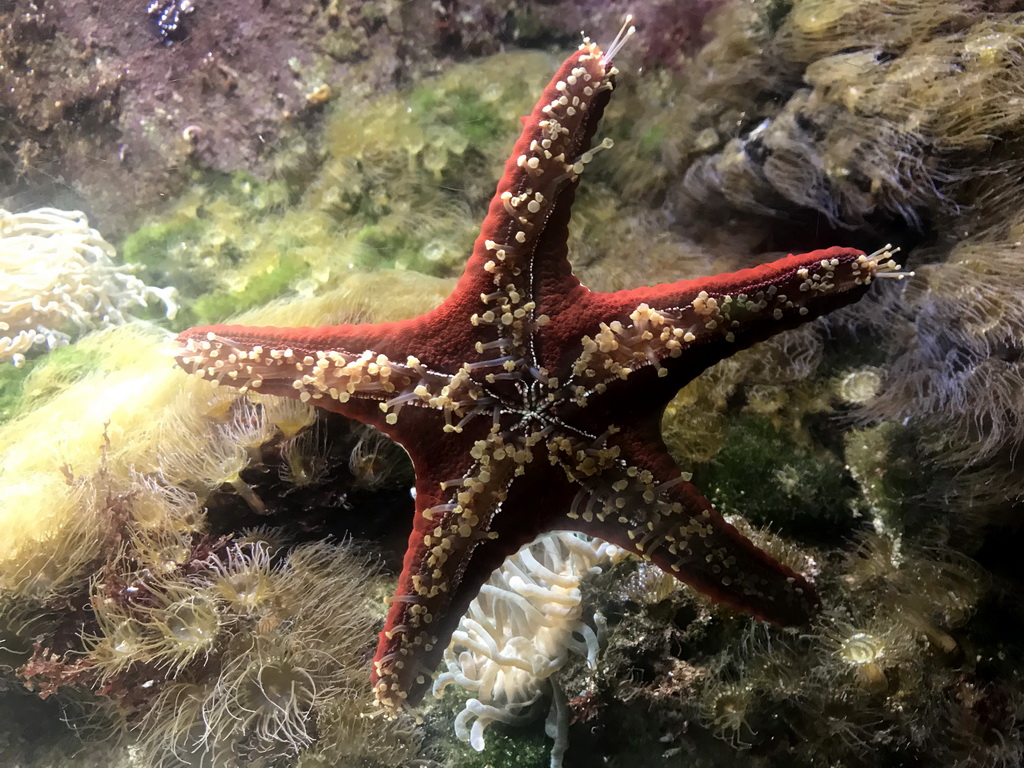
(41, 378)
(504, 746)
(766, 476)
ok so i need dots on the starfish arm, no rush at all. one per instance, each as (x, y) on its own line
(453, 548)
(339, 368)
(643, 503)
(673, 325)
(523, 239)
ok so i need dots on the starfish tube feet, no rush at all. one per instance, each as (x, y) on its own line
(306, 364)
(633, 495)
(684, 536)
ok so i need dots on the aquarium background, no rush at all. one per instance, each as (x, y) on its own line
(191, 577)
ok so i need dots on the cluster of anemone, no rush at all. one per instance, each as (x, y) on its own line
(910, 113)
(895, 120)
(162, 632)
(61, 280)
(213, 648)
(282, 654)
(956, 375)
(519, 632)
(856, 683)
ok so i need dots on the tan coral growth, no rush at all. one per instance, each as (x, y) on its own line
(905, 110)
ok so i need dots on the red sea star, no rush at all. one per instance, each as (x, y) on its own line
(529, 403)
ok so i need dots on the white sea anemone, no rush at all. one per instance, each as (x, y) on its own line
(519, 631)
(58, 279)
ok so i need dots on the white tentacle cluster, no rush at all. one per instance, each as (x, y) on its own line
(59, 279)
(520, 630)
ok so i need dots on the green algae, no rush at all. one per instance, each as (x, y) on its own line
(277, 280)
(24, 388)
(226, 256)
(408, 175)
(765, 475)
(477, 115)
(12, 382)
(385, 241)
(161, 251)
(504, 747)
(401, 182)
(503, 750)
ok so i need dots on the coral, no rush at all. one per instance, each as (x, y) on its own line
(60, 280)
(119, 593)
